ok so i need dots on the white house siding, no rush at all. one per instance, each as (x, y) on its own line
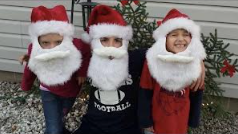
(211, 15)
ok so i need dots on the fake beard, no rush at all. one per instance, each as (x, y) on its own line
(108, 66)
(55, 66)
(173, 72)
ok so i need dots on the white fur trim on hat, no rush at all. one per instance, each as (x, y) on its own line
(45, 27)
(86, 38)
(105, 30)
(177, 23)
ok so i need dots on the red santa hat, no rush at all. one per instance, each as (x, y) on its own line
(45, 20)
(174, 20)
(105, 21)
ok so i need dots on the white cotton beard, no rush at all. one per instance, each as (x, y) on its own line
(175, 58)
(176, 73)
(110, 52)
(55, 66)
(108, 74)
(52, 55)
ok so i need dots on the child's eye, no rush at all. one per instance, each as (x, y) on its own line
(118, 39)
(59, 42)
(103, 39)
(186, 34)
(173, 35)
(44, 43)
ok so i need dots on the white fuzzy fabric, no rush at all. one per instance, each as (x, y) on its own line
(175, 58)
(57, 70)
(86, 38)
(52, 55)
(175, 76)
(45, 27)
(110, 51)
(176, 23)
(107, 74)
(105, 30)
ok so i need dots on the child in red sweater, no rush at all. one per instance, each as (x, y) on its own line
(171, 65)
(58, 60)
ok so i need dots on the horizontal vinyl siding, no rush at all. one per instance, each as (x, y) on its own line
(10, 65)
(229, 3)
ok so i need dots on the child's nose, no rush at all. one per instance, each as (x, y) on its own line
(111, 43)
(52, 45)
(180, 38)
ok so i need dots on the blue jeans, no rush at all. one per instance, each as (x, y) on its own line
(55, 108)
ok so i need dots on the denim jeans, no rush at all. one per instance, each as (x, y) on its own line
(55, 108)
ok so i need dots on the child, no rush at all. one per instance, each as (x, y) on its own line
(114, 75)
(58, 61)
(171, 65)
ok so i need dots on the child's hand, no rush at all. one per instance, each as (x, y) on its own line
(81, 80)
(23, 58)
(150, 129)
(200, 81)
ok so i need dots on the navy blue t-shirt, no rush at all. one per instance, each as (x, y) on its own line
(119, 117)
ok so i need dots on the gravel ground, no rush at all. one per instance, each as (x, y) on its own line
(17, 117)
(228, 125)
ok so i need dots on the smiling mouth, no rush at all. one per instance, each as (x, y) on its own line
(180, 45)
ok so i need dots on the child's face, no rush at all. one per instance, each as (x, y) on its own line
(50, 40)
(178, 40)
(111, 41)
